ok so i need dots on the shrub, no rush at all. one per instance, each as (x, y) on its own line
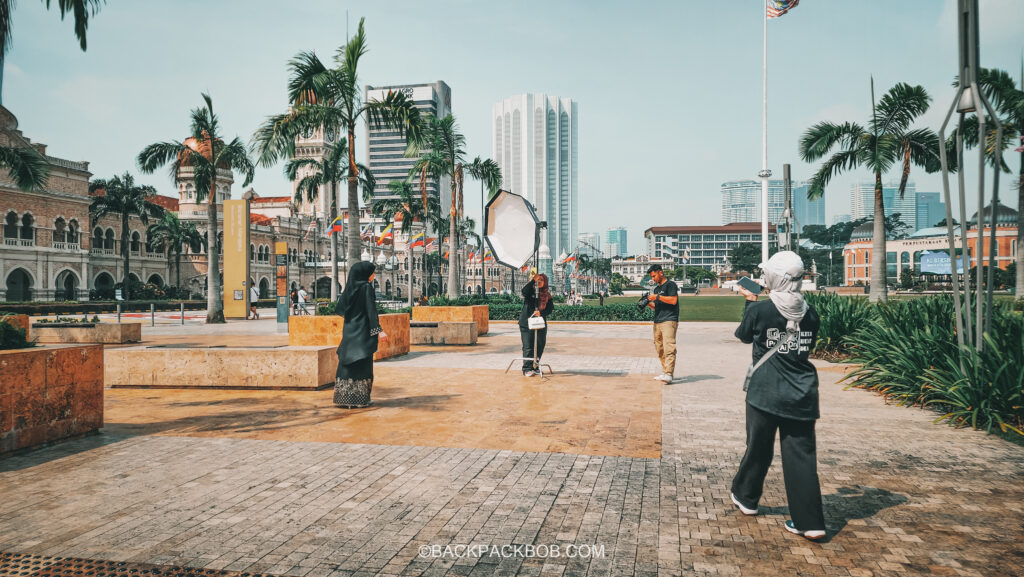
(12, 337)
(609, 312)
(841, 317)
(909, 354)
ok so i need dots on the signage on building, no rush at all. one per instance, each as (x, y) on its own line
(939, 263)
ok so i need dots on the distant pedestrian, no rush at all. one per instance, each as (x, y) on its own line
(600, 298)
(254, 295)
(782, 395)
(664, 299)
(303, 298)
(294, 296)
(353, 381)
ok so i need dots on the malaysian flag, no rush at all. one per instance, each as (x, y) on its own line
(311, 228)
(777, 8)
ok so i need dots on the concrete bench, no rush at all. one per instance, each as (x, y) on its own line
(443, 333)
(191, 366)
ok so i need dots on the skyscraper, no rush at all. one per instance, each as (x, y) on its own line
(590, 244)
(930, 210)
(615, 242)
(741, 202)
(535, 143)
(862, 201)
(385, 147)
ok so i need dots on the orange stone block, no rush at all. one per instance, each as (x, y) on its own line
(326, 330)
(475, 313)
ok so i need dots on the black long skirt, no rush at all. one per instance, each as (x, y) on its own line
(353, 384)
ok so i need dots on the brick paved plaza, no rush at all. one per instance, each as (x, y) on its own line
(455, 452)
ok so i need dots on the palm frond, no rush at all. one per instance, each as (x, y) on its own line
(838, 163)
(821, 138)
(235, 155)
(25, 166)
(398, 113)
(306, 81)
(898, 109)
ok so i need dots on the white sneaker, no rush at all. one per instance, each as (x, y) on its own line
(664, 377)
(813, 534)
(744, 510)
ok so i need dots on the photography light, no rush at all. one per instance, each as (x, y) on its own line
(511, 229)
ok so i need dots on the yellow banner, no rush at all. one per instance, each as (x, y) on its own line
(236, 259)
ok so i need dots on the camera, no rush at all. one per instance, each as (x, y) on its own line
(643, 302)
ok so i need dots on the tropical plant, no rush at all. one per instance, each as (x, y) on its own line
(444, 157)
(322, 98)
(205, 153)
(313, 174)
(121, 196)
(25, 166)
(489, 174)
(886, 141)
(840, 318)
(80, 10)
(172, 234)
(1001, 91)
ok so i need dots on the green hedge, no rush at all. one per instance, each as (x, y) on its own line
(79, 308)
(609, 312)
(12, 337)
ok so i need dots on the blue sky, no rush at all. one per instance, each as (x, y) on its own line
(669, 92)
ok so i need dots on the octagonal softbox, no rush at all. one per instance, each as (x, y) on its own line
(511, 229)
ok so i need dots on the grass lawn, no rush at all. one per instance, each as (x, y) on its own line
(694, 308)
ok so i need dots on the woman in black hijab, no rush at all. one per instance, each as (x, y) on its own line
(358, 305)
(537, 302)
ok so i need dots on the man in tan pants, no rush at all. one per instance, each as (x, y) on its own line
(664, 299)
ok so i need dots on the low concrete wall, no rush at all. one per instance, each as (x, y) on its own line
(305, 368)
(445, 333)
(476, 313)
(48, 394)
(326, 330)
(20, 321)
(104, 333)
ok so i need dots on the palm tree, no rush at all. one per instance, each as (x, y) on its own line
(173, 235)
(1008, 101)
(445, 157)
(81, 10)
(489, 174)
(407, 207)
(316, 174)
(25, 166)
(329, 98)
(206, 154)
(886, 141)
(121, 196)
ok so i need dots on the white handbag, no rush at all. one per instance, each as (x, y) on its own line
(536, 323)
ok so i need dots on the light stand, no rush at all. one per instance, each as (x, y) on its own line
(967, 99)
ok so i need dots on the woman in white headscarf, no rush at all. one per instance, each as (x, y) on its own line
(782, 396)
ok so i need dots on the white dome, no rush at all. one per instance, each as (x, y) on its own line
(544, 252)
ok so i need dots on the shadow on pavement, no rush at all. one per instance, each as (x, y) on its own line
(857, 502)
(28, 458)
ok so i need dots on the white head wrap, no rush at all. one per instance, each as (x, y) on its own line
(782, 275)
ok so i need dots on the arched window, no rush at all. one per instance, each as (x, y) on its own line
(136, 246)
(28, 231)
(11, 225)
(108, 240)
(252, 253)
(190, 192)
(72, 235)
(60, 230)
(97, 238)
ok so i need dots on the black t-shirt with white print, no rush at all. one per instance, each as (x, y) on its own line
(787, 384)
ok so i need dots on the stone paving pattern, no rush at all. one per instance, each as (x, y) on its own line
(902, 496)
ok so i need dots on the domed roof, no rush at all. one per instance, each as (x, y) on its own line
(203, 148)
(863, 231)
(1005, 216)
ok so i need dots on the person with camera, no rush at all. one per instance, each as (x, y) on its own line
(537, 302)
(664, 299)
(782, 395)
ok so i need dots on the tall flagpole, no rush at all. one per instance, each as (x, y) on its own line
(765, 173)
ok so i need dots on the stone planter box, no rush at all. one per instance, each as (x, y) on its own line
(103, 333)
(48, 394)
(443, 333)
(475, 313)
(187, 367)
(325, 330)
(20, 321)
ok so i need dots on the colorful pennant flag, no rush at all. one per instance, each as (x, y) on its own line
(336, 225)
(416, 241)
(387, 233)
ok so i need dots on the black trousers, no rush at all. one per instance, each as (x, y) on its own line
(527, 336)
(799, 466)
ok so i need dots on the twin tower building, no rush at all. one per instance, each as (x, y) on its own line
(535, 141)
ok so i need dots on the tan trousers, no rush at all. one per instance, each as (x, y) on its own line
(665, 344)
